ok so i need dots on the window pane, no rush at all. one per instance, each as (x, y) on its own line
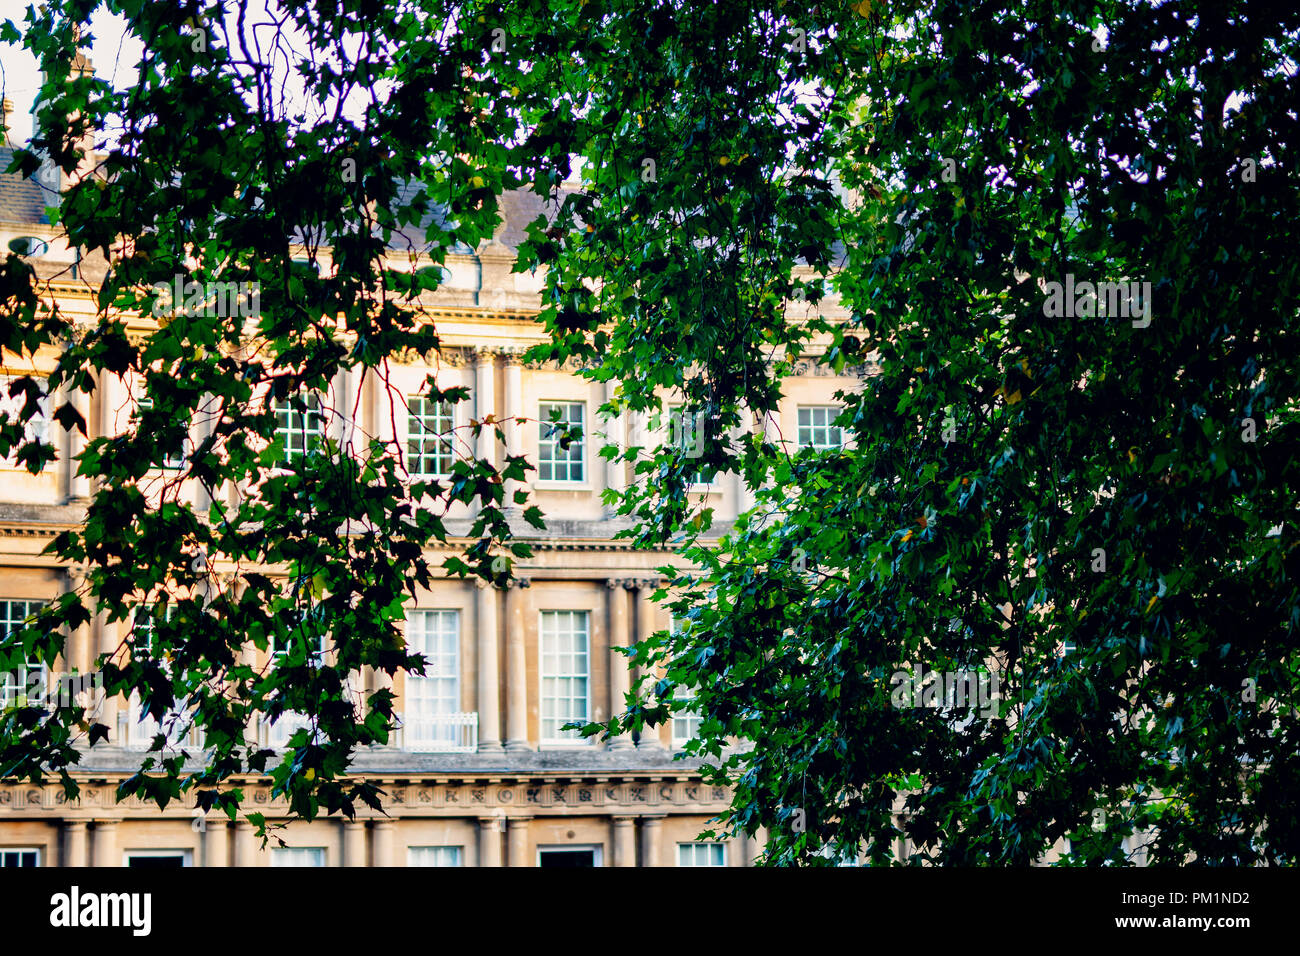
(28, 679)
(429, 430)
(174, 460)
(298, 856)
(435, 856)
(565, 674)
(688, 432)
(299, 425)
(36, 428)
(815, 428)
(436, 636)
(554, 462)
(701, 854)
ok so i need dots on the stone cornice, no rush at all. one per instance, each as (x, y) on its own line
(614, 792)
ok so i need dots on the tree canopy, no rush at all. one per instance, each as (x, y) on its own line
(1081, 489)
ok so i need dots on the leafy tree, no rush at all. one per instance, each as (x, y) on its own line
(1095, 507)
(1098, 509)
(222, 167)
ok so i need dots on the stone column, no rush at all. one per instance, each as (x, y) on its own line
(245, 845)
(78, 485)
(650, 835)
(485, 399)
(343, 427)
(103, 844)
(753, 847)
(651, 737)
(514, 407)
(619, 637)
(200, 431)
(624, 840)
(489, 841)
(113, 400)
(517, 842)
(516, 669)
(383, 840)
(368, 419)
(216, 841)
(354, 842)
(487, 630)
(485, 405)
(78, 649)
(616, 434)
(108, 706)
(744, 495)
(75, 849)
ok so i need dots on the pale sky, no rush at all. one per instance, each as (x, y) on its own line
(113, 56)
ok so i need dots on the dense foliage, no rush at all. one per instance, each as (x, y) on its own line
(1092, 502)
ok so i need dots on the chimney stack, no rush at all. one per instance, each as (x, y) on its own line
(50, 176)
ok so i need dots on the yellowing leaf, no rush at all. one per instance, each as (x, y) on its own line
(1013, 397)
(1151, 604)
(908, 536)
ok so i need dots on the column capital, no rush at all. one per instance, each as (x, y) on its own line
(493, 824)
(483, 355)
(513, 355)
(519, 583)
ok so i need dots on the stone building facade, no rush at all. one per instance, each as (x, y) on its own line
(479, 774)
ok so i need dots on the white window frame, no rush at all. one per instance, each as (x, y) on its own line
(546, 444)
(684, 720)
(543, 675)
(597, 852)
(438, 692)
(304, 425)
(815, 427)
(712, 485)
(424, 442)
(278, 734)
(317, 656)
(187, 856)
(9, 621)
(689, 854)
(34, 428)
(169, 463)
(438, 856)
(7, 852)
(284, 856)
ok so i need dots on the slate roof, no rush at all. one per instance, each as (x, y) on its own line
(517, 207)
(22, 198)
